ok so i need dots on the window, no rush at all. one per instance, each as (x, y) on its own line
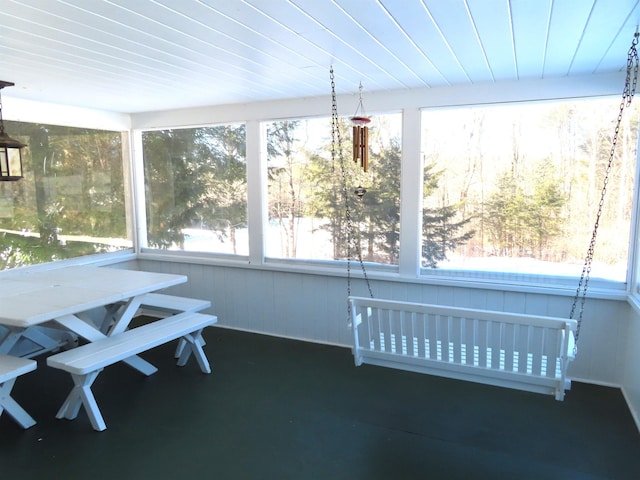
(196, 189)
(306, 190)
(515, 188)
(71, 201)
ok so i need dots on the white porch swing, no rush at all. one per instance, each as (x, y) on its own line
(526, 352)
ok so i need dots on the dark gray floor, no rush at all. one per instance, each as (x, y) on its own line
(280, 409)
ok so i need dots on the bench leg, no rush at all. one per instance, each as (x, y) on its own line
(13, 409)
(181, 344)
(193, 345)
(81, 394)
(141, 365)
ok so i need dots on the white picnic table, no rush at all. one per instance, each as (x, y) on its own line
(47, 308)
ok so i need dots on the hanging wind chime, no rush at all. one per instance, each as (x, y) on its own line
(336, 154)
(360, 140)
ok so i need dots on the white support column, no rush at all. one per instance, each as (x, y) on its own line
(411, 194)
(137, 194)
(257, 189)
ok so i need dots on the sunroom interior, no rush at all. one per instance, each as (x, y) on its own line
(155, 76)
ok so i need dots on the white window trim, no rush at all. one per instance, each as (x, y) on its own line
(411, 104)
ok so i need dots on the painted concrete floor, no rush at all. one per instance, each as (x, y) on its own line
(280, 409)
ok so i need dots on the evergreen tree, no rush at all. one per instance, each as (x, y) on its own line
(441, 231)
(224, 203)
(379, 219)
(545, 219)
(195, 178)
(174, 184)
(332, 183)
(524, 212)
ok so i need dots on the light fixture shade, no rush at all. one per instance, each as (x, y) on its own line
(10, 158)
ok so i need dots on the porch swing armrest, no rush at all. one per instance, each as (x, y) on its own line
(572, 348)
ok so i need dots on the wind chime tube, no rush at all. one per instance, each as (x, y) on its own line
(356, 143)
(365, 148)
(361, 146)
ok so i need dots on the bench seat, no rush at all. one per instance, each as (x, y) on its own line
(10, 369)
(154, 305)
(85, 362)
(160, 304)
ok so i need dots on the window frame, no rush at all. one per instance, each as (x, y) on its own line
(324, 263)
(140, 204)
(545, 282)
(63, 128)
(411, 105)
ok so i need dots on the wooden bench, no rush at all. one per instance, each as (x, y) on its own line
(526, 352)
(156, 305)
(10, 369)
(85, 362)
(161, 305)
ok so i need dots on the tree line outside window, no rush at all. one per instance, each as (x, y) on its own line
(71, 201)
(511, 188)
(528, 179)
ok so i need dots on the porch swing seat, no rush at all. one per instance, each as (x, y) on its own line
(524, 352)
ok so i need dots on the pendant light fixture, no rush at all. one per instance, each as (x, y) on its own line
(10, 149)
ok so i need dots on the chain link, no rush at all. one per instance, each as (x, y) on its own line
(629, 91)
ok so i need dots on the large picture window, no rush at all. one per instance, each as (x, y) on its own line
(71, 201)
(196, 189)
(515, 188)
(310, 190)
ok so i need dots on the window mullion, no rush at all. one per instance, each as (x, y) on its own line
(257, 191)
(138, 198)
(411, 194)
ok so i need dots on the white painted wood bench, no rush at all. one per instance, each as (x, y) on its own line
(85, 362)
(156, 305)
(10, 369)
(160, 304)
(525, 352)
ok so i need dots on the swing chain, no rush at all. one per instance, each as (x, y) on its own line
(627, 95)
(336, 150)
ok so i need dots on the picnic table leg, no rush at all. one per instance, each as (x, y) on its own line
(85, 330)
(109, 317)
(181, 344)
(10, 340)
(13, 409)
(81, 394)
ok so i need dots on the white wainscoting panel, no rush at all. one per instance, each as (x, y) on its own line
(631, 380)
(313, 307)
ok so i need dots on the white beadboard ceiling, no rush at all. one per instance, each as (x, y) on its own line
(144, 55)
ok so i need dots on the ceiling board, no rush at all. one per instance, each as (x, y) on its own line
(530, 33)
(419, 25)
(144, 55)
